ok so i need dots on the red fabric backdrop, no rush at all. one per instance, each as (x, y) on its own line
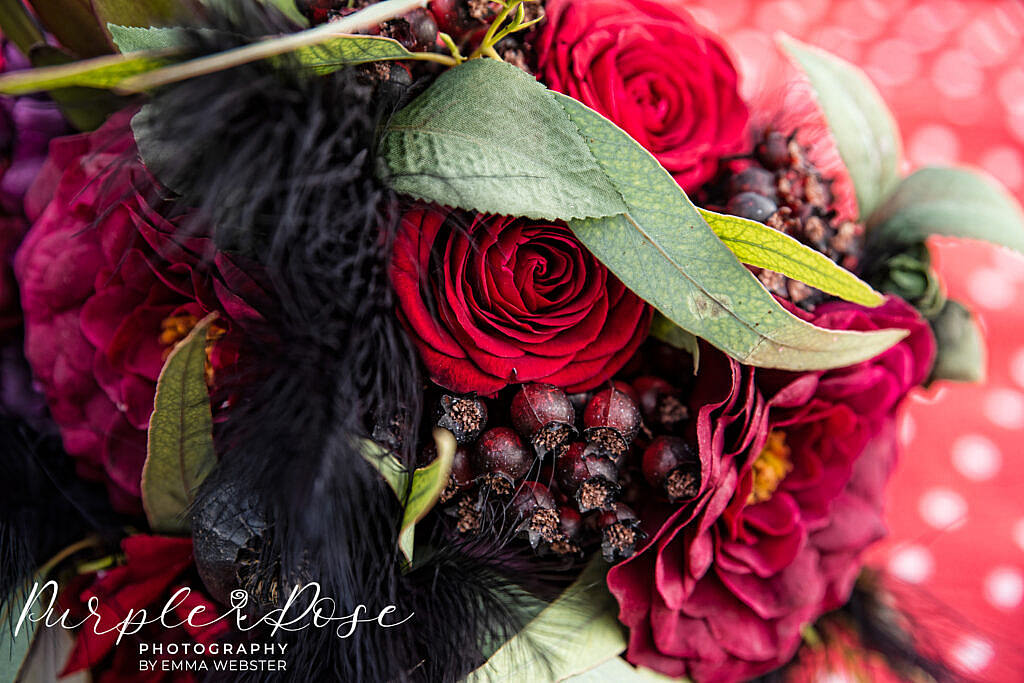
(953, 73)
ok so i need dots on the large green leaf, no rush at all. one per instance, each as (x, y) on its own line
(486, 136)
(577, 632)
(861, 123)
(960, 345)
(618, 670)
(422, 493)
(664, 251)
(759, 245)
(180, 453)
(145, 13)
(955, 202)
(74, 24)
(102, 72)
(17, 25)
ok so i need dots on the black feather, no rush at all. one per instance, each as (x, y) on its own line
(282, 165)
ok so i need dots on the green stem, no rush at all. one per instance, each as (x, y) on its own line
(272, 47)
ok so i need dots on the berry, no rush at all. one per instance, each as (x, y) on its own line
(591, 479)
(423, 27)
(570, 527)
(461, 477)
(659, 402)
(543, 414)
(753, 179)
(539, 514)
(620, 533)
(773, 151)
(501, 459)
(463, 416)
(750, 205)
(671, 465)
(611, 421)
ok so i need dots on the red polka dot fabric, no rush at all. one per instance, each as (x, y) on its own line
(953, 73)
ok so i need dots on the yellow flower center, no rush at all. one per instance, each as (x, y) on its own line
(176, 327)
(770, 468)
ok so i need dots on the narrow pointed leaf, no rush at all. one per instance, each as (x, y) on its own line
(138, 39)
(663, 250)
(144, 13)
(180, 453)
(953, 202)
(74, 24)
(102, 72)
(759, 245)
(343, 51)
(861, 123)
(485, 136)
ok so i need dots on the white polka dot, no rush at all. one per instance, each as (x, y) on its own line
(930, 397)
(892, 62)
(1017, 367)
(1005, 164)
(908, 428)
(1011, 90)
(1009, 262)
(976, 457)
(989, 41)
(1018, 533)
(1004, 587)
(833, 677)
(956, 74)
(943, 509)
(973, 653)
(784, 14)
(1005, 408)
(933, 144)
(990, 288)
(912, 564)
(923, 26)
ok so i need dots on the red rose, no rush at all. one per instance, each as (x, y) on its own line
(107, 287)
(647, 66)
(150, 575)
(722, 589)
(510, 300)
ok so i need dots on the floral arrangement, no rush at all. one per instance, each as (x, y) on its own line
(455, 340)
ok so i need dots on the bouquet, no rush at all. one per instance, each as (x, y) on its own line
(456, 340)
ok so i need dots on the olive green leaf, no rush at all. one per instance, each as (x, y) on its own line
(664, 251)
(180, 453)
(575, 633)
(619, 670)
(961, 348)
(145, 13)
(138, 39)
(759, 245)
(954, 202)
(14, 651)
(862, 125)
(102, 72)
(422, 493)
(488, 137)
(74, 24)
(18, 26)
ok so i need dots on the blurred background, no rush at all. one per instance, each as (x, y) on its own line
(953, 73)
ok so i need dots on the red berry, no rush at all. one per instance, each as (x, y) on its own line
(501, 459)
(570, 527)
(536, 405)
(461, 476)
(589, 478)
(620, 533)
(614, 409)
(537, 510)
(671, 465)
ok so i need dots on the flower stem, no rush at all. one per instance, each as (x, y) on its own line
(272, 47)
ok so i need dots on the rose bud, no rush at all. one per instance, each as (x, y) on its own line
(543, 414)
(589, 478)
(611, 422)
(536, 508)
(621, 534)
(501, 460)
(672, 467)
(570, 530)
(463, 416)
(461, 477)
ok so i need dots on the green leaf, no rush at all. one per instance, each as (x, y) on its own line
(759, 245)
(17, 25)
(14, 651)
(102, 72)
(961, 346)
(667, 331)
(180, 453)
(136, 39)
(289, 9)
(861, 123)
(145, 13)
(486, 136)
(664, 251)
(954, 202)
(74, 24)
(574, 634)
(422, 493)
(619, 670)
(85, 108)
(344, 51)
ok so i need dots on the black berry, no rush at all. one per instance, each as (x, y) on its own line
(773, 151)
(751, 205)
(671, 466)
(753, 179)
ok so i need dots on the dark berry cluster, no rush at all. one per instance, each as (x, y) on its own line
(562, 471)
(779, 186)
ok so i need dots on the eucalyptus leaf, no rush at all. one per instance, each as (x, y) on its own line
(574, 634)
(663, 250)
(180, 450)
(486, 136)
(961, 347)
(863, 127)
(953, 202)
(759, 245)
(102, 72)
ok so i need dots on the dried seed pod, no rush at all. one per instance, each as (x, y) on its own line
(461, 477)
(538, 513)
(672, 467)
(611, 420)
(543, 414)
(570, 532)
(660, 403)
(589, 478)
(621, 534)
(463, 416)
(501, 460)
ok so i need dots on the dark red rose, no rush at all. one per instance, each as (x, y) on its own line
(107, 287)
(647, 66)
(154, 569)
(504, 300)
(799, 462)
